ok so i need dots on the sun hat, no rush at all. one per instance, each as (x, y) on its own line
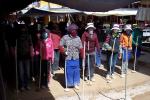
(127, 27)
(115, 26)
(90, 25)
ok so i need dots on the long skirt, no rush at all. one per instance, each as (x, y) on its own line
(73, 72)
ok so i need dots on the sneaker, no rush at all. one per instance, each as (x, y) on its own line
(113, 76)
(93, 80)
(33, 79)
(122, 75)
(52, 74)
(101, 66)
(66, 89)
(85, 78)
(107, 77)
(76, 87)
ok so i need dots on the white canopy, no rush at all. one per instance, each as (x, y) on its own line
(59, 10)
(93, 5)
(47, 8)
(116, 12)
(44, 8)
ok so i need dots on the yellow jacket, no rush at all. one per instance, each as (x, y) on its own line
(125, 41)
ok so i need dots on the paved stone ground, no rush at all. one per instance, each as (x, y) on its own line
(137, 84)
(140, 92)
(142, 96)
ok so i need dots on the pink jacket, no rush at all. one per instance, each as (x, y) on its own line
(47, 50)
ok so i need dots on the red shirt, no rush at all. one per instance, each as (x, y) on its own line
(56, 40)
(93, 42)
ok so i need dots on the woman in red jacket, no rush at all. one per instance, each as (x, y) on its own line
(91, 41)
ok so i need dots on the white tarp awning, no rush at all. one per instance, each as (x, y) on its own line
(59, 10)
(48, 8)
(116, 12)
(93, 5)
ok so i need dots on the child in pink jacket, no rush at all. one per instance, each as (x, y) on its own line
(47, 57)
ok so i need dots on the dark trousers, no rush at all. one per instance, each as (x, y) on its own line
(24, 72)
(36, 68)
(91, 68)
(2, 91)
(138, 53)
(45, 72)
(113, 62)
(55, 65)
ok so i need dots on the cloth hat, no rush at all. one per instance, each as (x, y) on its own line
(72, 27)
(90, 25)
(21, 22)
(115, 26)
(127, 27)
(106, 25)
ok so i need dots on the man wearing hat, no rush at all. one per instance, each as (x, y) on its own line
(113, 50)
(126, 44)
(90, 39)
(71, 46)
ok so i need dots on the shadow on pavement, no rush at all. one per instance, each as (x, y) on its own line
(33, 94)
(60, 78)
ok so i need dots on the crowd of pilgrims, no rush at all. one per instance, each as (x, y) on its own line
(36, 52)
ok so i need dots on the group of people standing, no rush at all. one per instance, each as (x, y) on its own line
(49, 45)
(118, 45)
